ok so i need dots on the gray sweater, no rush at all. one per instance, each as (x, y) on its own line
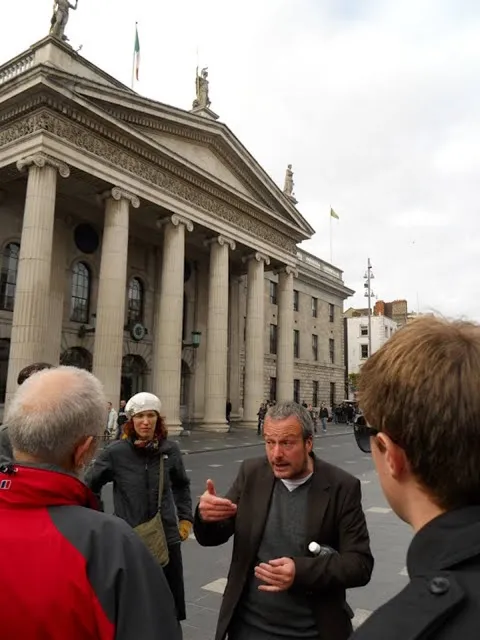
(288, 613)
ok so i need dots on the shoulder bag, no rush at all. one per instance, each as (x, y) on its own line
(152, 532)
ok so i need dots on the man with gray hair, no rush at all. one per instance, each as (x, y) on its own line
(70, 571)
(299, 538)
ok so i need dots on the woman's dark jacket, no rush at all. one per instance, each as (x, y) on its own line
(135, 476)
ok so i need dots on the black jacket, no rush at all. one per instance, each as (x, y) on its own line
(442, 600)
(135, 476)
(6, 453)
(335, 518)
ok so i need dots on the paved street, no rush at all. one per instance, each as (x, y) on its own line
(206, 569)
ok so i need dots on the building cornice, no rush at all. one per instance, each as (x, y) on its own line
(111, 147)
(178, 180)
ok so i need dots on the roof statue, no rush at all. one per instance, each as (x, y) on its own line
(61, 10)
(289, 184)
(202, 99)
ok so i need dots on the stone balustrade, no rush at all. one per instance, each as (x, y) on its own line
(16, 67)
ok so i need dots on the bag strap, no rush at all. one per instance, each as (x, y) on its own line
(161, 481)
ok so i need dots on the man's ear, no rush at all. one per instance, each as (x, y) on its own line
(394, 456)
(84, 452)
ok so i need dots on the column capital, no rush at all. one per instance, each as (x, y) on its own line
(222, 241)
(117, 193)
(290, 271)
(41, 160)
(175, 219)
(259, 257)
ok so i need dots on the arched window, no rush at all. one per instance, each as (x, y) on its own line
(135, 301)
(80, 298)
(77, 357)
(8, 276)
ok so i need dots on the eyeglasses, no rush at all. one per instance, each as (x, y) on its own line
(363, 434)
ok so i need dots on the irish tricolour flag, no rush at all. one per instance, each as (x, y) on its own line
(136, 54)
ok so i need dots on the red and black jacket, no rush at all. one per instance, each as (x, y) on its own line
(69, 571)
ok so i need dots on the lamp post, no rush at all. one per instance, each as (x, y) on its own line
(368, 294)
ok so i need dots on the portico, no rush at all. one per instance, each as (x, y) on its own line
(152, 194)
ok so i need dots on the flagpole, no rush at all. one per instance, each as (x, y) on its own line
(132, 84)
(331, 237)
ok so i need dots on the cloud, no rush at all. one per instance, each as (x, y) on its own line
(374, 103)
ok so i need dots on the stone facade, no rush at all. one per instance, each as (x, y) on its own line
(129, 228)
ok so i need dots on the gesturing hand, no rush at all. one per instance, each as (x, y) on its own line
(214, 509)
(278, 575)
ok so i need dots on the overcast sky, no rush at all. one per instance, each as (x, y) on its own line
(376, 103)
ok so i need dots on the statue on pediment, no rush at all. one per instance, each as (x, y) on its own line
(61, 11)
(202, 99)
(289, 184)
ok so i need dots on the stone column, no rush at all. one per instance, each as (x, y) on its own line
(217, 336)
(167, 352)
(255, 330)
(285, 359)
(199, 356)
(234, 378)
(57, 293)
(32, 295)
(110, 319)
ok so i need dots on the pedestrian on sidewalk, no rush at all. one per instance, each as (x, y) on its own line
(421, 422)
(138, 465)
(68, 570)
(261, 417)
(279, 504)
(324, 417)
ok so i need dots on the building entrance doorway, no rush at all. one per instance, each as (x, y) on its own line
(134, 371)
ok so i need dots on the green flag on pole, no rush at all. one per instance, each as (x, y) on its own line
(333, 214)
(136, 53)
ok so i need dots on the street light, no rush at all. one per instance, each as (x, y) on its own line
(195, 343)
(368, 294)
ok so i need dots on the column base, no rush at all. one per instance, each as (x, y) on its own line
(249, 424)
(174, 429)
(216, 427)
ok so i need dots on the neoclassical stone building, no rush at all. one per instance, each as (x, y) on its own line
(145, 243)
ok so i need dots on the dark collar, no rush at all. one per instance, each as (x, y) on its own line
(445, 541)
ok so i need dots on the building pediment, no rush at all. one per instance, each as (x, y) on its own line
(197, 150)
(207, 145)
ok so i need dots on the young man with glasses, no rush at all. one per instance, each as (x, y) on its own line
(421, 403)
(281, 585)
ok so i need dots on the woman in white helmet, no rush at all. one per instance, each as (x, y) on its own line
(133, 465)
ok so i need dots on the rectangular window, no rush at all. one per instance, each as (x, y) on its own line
(331, 312)
(364, 351)
(296, 343)
(273, 389)
(315, 393)
(273, 292)
(315, 346)
(364, 330)
(296, 391)
(332, 394)
(386, 332)
(296, 300)
(331, 349)
(273, 338)
(245, 329)
(314, 307)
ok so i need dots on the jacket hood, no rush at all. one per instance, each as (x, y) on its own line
(445, 541)
(32, 487)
